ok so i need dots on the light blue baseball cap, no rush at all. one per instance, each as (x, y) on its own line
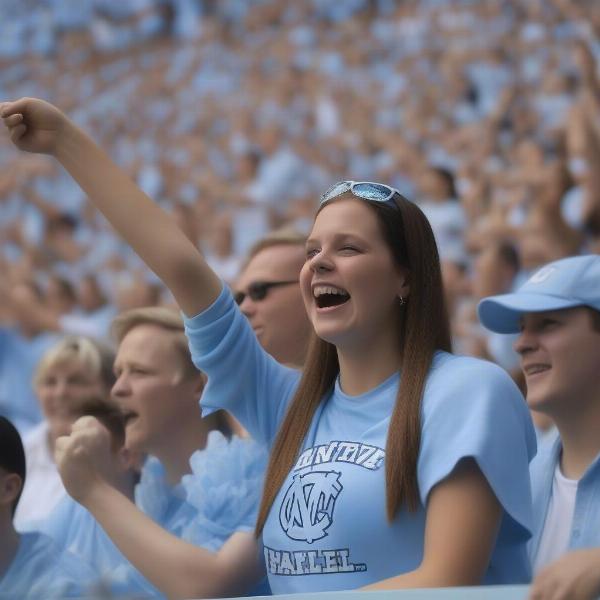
(565, 283)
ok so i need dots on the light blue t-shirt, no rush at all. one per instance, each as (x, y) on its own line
(41, 570)
(327, 529)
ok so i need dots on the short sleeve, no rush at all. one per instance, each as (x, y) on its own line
(242, 377)
(472, 409)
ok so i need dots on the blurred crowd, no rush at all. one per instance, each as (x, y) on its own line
(236, 115)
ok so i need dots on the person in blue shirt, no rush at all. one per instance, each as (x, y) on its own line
(202, 489)
(31, 565)
(393, 462)
(557, 312)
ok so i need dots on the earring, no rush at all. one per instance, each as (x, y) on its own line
(402, 301)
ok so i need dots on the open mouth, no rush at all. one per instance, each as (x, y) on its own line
(129, 416)
(327, 296)
(536, 369)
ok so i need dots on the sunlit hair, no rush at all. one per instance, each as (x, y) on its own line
(159, 316)
(170, 320)
(423, 330)
(95, 357)
(284, 236)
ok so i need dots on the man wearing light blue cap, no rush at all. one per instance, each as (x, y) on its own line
(557, 312)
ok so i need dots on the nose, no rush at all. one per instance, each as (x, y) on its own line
(321, 263)
(120, 387)
(61, 389)
(526, 342)
(248, 306)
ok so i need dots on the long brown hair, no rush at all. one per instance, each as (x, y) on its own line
(424, 329)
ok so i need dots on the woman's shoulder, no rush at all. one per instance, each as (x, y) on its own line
(444, 363)
(465, 380)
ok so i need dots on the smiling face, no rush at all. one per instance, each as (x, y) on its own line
(153, 388)
(560, 357)
(278, 320)
(350, 282)
(62, 388)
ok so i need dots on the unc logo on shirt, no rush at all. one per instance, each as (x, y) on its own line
(542, 275)
(307, 508)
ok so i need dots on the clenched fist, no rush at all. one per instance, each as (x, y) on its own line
(34, 125)
(85, 458)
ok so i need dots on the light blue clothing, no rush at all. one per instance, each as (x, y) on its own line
(585, 530)
(166, 504)
(224, 488)
(327, 529)
(220, 496)
(41, 570)
(75, 530)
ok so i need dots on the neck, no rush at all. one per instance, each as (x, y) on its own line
(175, 457)
(365, 366)
(8, 546)
(579, 437)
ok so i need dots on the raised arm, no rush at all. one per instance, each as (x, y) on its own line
(179, 569)
(37, 126)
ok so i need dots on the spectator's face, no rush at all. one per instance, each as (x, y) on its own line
(62, 389)
(151, 388)
(350, 282)
(560, 358)
(279, 319)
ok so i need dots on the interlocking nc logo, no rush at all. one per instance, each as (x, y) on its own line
(542, 275)
(307, 508)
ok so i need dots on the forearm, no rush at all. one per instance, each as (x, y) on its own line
(151, 232)
(177, 568)
(421, 577)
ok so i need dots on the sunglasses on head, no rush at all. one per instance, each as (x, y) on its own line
(258, 290)
(367, 190)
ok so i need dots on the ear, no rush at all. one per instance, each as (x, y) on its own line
(403, 288)
(10, 488)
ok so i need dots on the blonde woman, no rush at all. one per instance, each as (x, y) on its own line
(70, 371)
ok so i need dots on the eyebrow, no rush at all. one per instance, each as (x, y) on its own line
(337, 237)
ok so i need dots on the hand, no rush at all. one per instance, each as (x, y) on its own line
(575, 576)
(34, 125)
(85, 458)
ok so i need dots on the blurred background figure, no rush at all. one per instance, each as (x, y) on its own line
(68, 374)
(31, 564)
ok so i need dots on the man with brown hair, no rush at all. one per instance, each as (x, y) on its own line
(557, 312)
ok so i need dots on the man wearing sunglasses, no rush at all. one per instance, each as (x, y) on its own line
(268, 294)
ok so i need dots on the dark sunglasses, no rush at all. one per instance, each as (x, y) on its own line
(259, 290)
